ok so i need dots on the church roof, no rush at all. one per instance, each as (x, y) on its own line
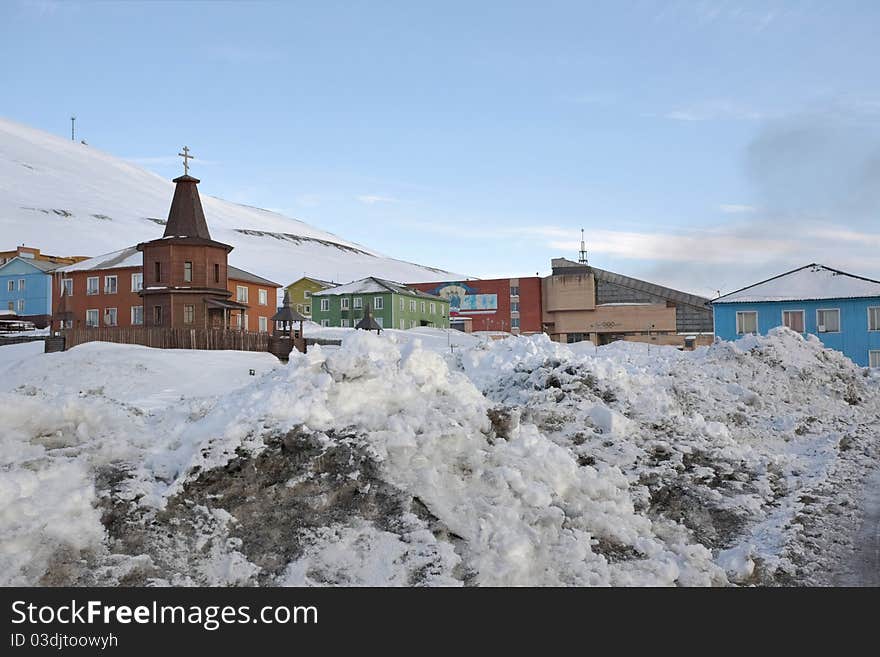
(811, 282)
(186, 217)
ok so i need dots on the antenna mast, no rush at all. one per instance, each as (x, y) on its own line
(582, 255)
(72, 128)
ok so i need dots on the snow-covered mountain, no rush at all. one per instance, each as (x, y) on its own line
(67, 198)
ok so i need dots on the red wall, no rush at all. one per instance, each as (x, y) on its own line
(499, 320)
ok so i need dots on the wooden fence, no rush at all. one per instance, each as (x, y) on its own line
(169, 338)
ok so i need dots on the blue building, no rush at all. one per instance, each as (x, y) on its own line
(26, 288)
(842, 310)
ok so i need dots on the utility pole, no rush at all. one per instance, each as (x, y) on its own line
(72, 128)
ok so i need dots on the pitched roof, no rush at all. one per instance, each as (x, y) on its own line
(237, 274)
(37, 264)
(651, 288)
(810, 282)
(326, 284)
(373, 285)
(127, 257)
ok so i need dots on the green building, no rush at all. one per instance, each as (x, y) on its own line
(392, 305)
(300, 293)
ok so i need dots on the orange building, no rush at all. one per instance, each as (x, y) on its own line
(105, 291)
(30, 253)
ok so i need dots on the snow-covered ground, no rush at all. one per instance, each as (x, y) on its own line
(397, 460)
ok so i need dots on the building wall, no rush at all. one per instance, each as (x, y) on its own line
(35, 300)
(390, 314)
(80, 301)
(171, 258)
(854, 338)
(689, 318)
(298, 298)
(126, 298)
(489, 302)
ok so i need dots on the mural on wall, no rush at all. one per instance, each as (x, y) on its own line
(463, 298)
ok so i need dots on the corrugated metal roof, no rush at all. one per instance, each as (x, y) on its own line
(237, 274)
(810, 282)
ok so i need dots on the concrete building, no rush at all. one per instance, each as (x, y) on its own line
(841, 309)
(581, 302)
(510, 305)
(392, 305)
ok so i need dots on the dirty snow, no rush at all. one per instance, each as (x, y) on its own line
(397, 460)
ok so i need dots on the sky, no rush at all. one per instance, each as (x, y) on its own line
(704, 145)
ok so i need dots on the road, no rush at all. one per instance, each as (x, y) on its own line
(864, 568)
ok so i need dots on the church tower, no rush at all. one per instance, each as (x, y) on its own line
(185, 271)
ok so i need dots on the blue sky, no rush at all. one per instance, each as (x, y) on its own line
(706, 145)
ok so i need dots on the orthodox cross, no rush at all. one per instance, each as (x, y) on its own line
(186, 157)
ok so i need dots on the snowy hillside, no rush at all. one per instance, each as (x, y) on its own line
(395, 460)
(66, 198)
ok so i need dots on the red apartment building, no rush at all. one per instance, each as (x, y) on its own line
(512, 305)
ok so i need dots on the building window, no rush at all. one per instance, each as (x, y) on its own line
(157, 271)
(793, 319)
(216, 272)
(187, 272)
(828, 321)
(325, 323)
(343, 323)
(378, 303)
(874, 358)
(110, 318)
(21, 285)
(412, 323)
(189, 314)
(308, 309)
(10, 285)
(110, 284)
(514, 290)
(157, 315)
(423, 307)
(402, 306)
(442, 310)
(137, 282)
(137, 315)
(92, 317)
(412, 306)
(263, 297)
(11, 306)
(307, 294)
(67, 287)
(241, 293)
(514, 323)
(325, 305)
(433, 308)
(358, 302)
(874, 318)
(344, 303)
(514, 306)
(92, 285)
(263, 323)
(21, 306)
(746, 322)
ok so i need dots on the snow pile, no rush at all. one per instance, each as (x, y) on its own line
(392, 461)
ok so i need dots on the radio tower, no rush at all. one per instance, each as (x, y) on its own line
(582, 254)
(72, 128)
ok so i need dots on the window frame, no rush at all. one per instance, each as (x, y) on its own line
(115, 316)
(263, 324)
(433, 308)
(133, 314)
(21, 284)
(358, 303)
(325, 305)
(262, 297)
(187, 271)
(871, 352)
(10, 285)
(66, 287)
(378, 303)
(870, 308)
(344, 303)
(325, 323)
(97, 313)
(107, 280)
(137, 276)
(343, 322)
(20, 307)
(97, 291)
(189, 309)
(241, 298)
(803, 319)
(738, 323)
(839, 319)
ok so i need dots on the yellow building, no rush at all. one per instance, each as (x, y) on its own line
(29, 253)
(301, 292)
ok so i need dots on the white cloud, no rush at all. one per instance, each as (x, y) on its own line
(372, 199)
